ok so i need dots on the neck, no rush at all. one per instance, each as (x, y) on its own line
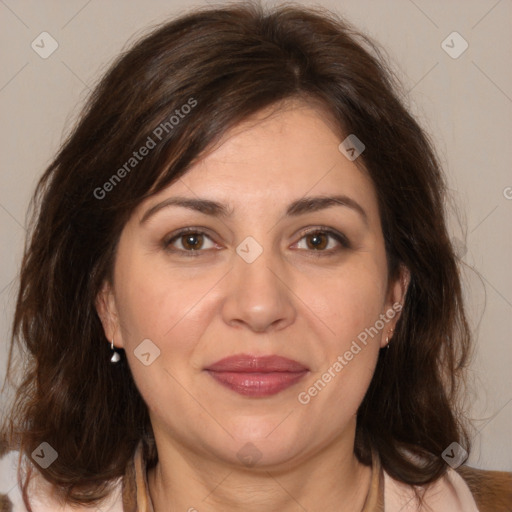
(185, 480)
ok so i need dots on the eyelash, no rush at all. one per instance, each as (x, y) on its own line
(341, 239)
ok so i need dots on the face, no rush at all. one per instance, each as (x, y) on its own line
(265, 274)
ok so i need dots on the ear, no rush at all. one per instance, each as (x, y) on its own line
(107, 311)
(395, 302)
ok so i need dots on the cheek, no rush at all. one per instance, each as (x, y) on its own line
(155, 301)
(171, 310)
(348, 301)
(349, 306)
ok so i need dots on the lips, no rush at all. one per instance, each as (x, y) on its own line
(257, 376)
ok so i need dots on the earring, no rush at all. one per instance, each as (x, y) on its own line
(115, 356)
(387, 337)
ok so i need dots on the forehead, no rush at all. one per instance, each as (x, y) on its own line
(280, 154)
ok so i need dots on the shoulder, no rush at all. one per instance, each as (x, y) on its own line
(463, 490)
(492, 490)
(447, 494)
(40, 492)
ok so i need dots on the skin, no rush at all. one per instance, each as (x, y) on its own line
(293, 300)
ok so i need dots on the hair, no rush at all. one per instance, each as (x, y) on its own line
(227, 63)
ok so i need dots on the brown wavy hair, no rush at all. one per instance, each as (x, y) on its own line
(229, 62)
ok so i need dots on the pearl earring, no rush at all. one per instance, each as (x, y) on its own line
(115, 356)
(387, 337)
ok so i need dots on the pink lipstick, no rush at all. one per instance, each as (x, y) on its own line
(257, 376)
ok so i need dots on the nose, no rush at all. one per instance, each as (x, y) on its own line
(259, 295)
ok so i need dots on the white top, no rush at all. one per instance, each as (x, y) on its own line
(448, 494)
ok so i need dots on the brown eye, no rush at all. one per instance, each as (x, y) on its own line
(192, 241)
(188, 242)
(320, 241)
(317, 240)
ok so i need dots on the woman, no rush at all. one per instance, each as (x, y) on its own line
(239, 292)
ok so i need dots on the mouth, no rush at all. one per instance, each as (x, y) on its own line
(257, 376)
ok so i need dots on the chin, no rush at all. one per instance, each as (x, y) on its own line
(262, 453)
(256, 442)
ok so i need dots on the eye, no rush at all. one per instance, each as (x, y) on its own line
(317, 240)
(191, 241)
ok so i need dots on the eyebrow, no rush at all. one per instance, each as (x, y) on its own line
(296, 208)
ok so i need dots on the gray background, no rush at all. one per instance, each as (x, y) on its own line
(465, 103)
